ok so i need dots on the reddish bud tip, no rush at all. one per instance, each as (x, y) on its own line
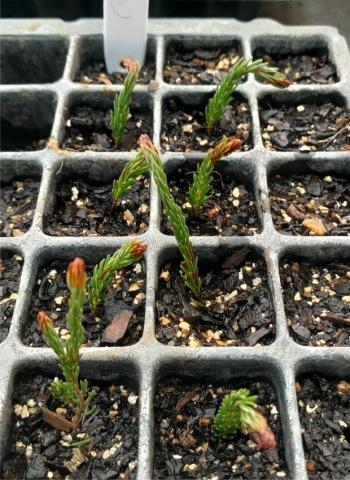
(233, 144)
(311, 466)
(225, 147)
(282, 82)
(265, 439)
(44, 320)
(76, 274)
(146, 142)
(130, 64)
(138, 249)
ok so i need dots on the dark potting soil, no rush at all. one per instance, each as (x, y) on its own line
(88, 128)
(311, 67)
(37, 448)
(10, 274)
(198, 66)
(325, 418)
(294, 198)
(184, 126)
(317, 302)
(237, 310)
(84, 209)
(18, 200)
(127, 292)
(96, 72)
(185, 446)
(306, 127)
(30, 139)
(231, 210)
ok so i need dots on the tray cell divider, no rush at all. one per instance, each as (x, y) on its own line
(147, 373)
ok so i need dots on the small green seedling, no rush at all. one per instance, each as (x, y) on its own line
(103, 272)
(73, 392)
(216, 106)
(189, 265)
(239, 412)
(133, 169)
(121, 106)
(202, 188)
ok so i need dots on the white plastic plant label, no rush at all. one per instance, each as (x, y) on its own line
(124, 31)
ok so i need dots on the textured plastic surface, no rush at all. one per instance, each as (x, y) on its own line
(148, 360)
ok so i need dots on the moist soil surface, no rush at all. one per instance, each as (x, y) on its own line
(88, 128)
(317, 303)
(127, 292)
(184, 127)
(231, 210)
(18, 200)
(185, 446)
(202, 66)
(37, 448)
(85, 209)
(96, 72)
(303, 68)
(294, 198)
(325, 419)
(237, 309)
(305, 127)
(10, 274)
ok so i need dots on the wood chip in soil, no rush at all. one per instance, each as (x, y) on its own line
(88, 128)
(325, 419)
(18, 200)
(184, 127)
(185, 446)
(238, 308)
(317, 302)
(310, 67)
(127, 292)
(231, 210)
(83, 208)
(201, 66)
(10, 274)
(306, 127)
(36, 448)
(293, 198)
(95, 72)
(117, 328)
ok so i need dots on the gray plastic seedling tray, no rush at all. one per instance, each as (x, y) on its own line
(47, 105)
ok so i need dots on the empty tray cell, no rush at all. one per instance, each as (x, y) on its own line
(310, 203)
(10, 274)
(305, 122)
(184, 126)
(19, 190)
(89, 117)
(83, 204)
(32, 59)
(231, 209)
(303, 60)
(199, 60)
(92, 68)
(185, 445)
(26, 120)
(317, 302)
(324, 409)
(235, 292)
(113, 430)
(122, 310)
